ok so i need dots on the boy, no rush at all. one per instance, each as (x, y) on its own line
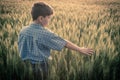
(35, 42)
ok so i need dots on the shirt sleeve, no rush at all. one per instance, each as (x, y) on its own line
(53, 41)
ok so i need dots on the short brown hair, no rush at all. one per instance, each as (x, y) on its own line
(41, 9)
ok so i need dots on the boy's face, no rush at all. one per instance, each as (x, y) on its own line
(44, 20)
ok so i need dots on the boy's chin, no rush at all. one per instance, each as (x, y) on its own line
(45, 25)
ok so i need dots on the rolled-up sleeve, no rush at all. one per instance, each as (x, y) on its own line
(53, 41)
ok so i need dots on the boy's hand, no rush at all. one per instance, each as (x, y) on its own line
(86, 51)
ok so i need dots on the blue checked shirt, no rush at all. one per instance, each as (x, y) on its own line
(35, 43)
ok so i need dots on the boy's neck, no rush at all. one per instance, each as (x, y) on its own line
(36, 22)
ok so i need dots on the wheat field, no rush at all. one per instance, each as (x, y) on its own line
(87, 23)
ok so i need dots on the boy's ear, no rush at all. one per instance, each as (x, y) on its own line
(40, 18)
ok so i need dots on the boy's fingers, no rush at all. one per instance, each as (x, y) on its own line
(91, 49)
(90, 52)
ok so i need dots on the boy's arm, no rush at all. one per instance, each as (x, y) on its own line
(74, 47)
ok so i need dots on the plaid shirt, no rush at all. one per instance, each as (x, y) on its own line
(35, 43)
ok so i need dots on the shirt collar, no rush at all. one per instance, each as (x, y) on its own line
(37, 26)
